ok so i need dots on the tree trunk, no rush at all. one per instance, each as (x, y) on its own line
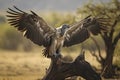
(108, 71)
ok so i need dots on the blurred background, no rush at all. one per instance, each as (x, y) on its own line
(20, 59)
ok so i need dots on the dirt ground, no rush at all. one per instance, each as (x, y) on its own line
(26, 66)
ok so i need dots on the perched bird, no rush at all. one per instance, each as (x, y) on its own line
(53, 39)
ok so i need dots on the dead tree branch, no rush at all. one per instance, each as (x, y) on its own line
(60, 70)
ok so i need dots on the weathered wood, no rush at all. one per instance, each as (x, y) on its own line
(59, 69)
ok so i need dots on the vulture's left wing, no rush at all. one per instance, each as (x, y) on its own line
(35, 28)
(81, 30)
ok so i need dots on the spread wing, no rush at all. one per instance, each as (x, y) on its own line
(33, 26)
(81, 30)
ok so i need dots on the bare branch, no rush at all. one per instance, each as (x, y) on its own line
(105, 37)
(92, 51)
(112, 29)
(97, 58)
(98, 47)
(116, 40)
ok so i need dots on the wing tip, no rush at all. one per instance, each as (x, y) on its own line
(15, 10)
(33, 13)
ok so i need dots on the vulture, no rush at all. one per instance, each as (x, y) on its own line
(53, 39)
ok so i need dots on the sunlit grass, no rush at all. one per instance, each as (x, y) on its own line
(21, 63)
(30, 65)
(3, 28)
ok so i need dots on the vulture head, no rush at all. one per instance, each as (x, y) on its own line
(64, 28)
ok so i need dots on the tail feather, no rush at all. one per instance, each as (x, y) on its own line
(46, 52)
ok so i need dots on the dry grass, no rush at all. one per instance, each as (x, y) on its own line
(28, 66)
(21, 64)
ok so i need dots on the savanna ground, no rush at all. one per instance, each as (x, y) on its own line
(22, 66)
(28, 65)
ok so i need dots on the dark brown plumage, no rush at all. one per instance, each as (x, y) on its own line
(81, 30)
(53, 39)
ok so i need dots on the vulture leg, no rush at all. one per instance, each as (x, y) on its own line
(56, 55)
(58, 50)
(52, 50)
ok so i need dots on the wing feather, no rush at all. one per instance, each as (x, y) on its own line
(81, 31)
(34, 26)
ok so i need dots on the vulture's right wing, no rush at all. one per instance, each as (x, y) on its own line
(35, 28)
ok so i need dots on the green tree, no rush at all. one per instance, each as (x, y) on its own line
(110, 11)
(10, 40)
